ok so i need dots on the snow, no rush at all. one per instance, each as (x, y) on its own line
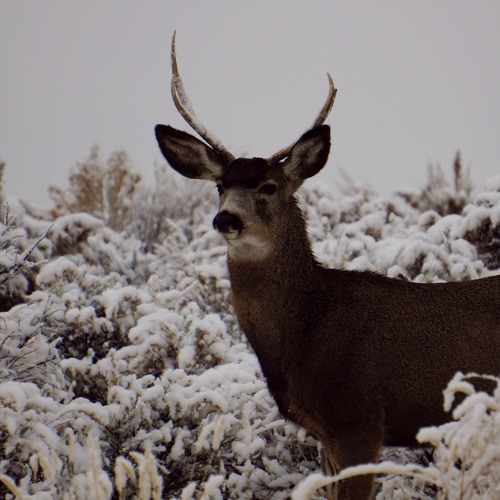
(122, 367)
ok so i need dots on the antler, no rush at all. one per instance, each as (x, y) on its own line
(327, 107)
(183, 105)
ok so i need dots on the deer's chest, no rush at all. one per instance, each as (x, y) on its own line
(260, 324)
(266, 331)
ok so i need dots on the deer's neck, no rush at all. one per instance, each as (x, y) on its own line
(272, 295)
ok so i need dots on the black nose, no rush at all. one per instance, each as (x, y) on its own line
(225, 222)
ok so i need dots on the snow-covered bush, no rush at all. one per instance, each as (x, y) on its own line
(19, 257)
(124, 374)
(441, 195)
(151, 365)
(467, 456)
(103, 189)
(170, 208)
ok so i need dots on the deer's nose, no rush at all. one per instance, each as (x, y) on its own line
(226, 222)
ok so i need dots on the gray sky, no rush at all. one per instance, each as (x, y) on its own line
(417, 81)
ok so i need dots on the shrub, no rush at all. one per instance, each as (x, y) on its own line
(104, 190)
(441, 195)
(18, 258)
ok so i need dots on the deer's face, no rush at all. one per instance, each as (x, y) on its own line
(255, 193)
(252, 195)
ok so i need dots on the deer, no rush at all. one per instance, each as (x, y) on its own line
(356, 358)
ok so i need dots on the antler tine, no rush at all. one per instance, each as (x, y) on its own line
(183, 105)
(325, 111)
(323, 115)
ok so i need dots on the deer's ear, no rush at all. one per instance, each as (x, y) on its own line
(188, 155)
(308, 155)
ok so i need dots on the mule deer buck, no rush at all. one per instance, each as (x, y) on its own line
(356, 358)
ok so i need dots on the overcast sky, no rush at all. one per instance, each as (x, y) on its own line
(417, 81)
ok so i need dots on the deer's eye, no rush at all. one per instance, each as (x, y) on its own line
(267, 189)
(220, 189)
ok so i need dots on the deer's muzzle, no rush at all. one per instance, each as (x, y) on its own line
(228, 224)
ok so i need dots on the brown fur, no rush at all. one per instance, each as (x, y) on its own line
(356, 358)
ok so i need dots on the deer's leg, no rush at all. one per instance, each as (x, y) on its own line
(329, 469)
(359, 448)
